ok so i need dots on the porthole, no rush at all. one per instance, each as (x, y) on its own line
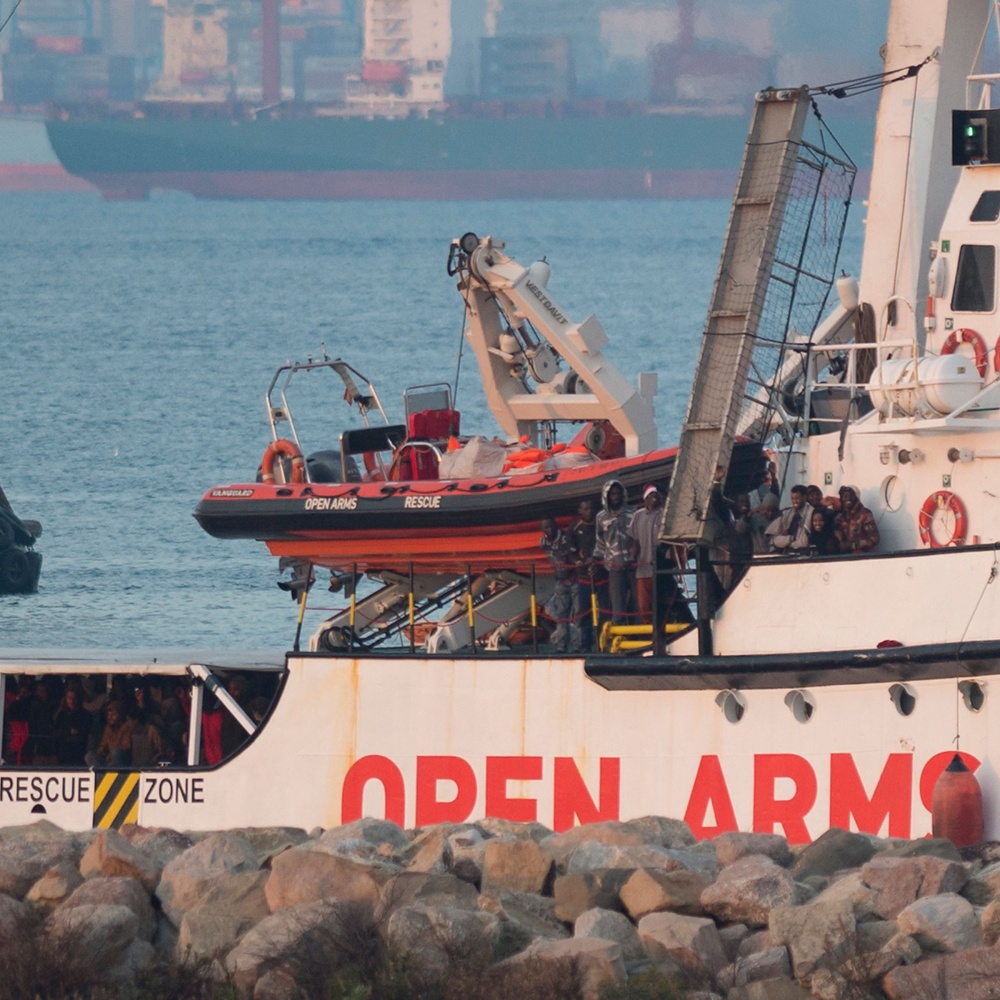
(904, 698)
(892, 493)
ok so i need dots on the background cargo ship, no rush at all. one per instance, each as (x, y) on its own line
(348, 100)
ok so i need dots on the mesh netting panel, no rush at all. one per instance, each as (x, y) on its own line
(802, 275)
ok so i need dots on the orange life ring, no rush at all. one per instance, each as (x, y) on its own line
(943, 500)
(287, 449)
(968, 336)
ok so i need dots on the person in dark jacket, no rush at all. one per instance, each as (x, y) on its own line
(614, 548)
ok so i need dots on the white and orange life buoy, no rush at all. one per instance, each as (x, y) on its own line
(968, 336)
(286, 449)
(943, 500)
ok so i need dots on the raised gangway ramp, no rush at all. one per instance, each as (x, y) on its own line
(746, 269)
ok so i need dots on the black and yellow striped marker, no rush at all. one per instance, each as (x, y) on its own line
(116, 799)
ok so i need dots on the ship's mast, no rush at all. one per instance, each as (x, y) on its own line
(912, 176)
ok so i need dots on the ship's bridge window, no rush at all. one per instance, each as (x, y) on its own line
(975, 279)
(987, 208)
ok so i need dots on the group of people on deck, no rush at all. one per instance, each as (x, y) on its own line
(825, 526)
(604, 557)
(609, 556)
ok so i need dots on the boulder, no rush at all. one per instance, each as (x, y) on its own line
(818, 935)
(598, 964)
(119, 891)
(227, 910)
(653, 890)
(55, 885)
(295, 937)
(610, 833)
(300, 875)
(770, 989)
(692, 942)
(968, 975)
(28, 852)
(111, 855)
(831, 852)
(850, 887)
(989, 921)
(517, 865)
(468, 851)
(896, 882)
(599, 857)
(382, 834)
(99, 936)
(410, 887)
(580, 891)
(748, 889)
(771, 963)
(190, 875)
(662, 831)
(429, 851)
(942, 923)
(610, 925)
(526, 914)
(512, 830)
(434, 936)
(157, 843)
(15, 918)
(730, 847)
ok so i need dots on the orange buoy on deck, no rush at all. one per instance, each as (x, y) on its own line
(957, 805)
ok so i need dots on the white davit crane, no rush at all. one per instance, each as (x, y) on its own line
(538, 366)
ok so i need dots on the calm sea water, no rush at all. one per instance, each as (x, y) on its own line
(137, 341)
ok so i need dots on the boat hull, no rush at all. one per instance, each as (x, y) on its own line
(450, 525)
(214, 153)
(433, 740)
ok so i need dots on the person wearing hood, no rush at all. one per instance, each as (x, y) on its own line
(614, 547)
(644, 531)
(855, 524)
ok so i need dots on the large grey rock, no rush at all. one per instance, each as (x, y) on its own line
(517, 865)
(432, 937)
(302, 876)
(227, 910)
(989, 921)
(55, 886)
(28, 852)
(748, 889)
(15, 918)
(468, 852)
(268, 841)
(966, 975)
(730, 847)
(383, 834)
(580, 891)
(410, 887)
(599, 857)
(598, 963)
(942, 923)
(662, 831)
(190, 875)
(772, 963)
(611, 833)
(311, 933)
(611, 926)
(98, 934)
(934, 847)
(119, 891)
(429, 850)
(693, 942)
(833, 851)
(653, 890)
(111, 855)
(818, 935)
(897, 882)
(492, 826)
(158, 843)
(527, 914)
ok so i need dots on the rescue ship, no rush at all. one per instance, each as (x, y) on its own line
(811, 691)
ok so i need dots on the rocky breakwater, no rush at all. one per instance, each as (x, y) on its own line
(497, 909)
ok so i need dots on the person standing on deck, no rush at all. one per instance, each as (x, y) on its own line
(644, 531)
(614, 548)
